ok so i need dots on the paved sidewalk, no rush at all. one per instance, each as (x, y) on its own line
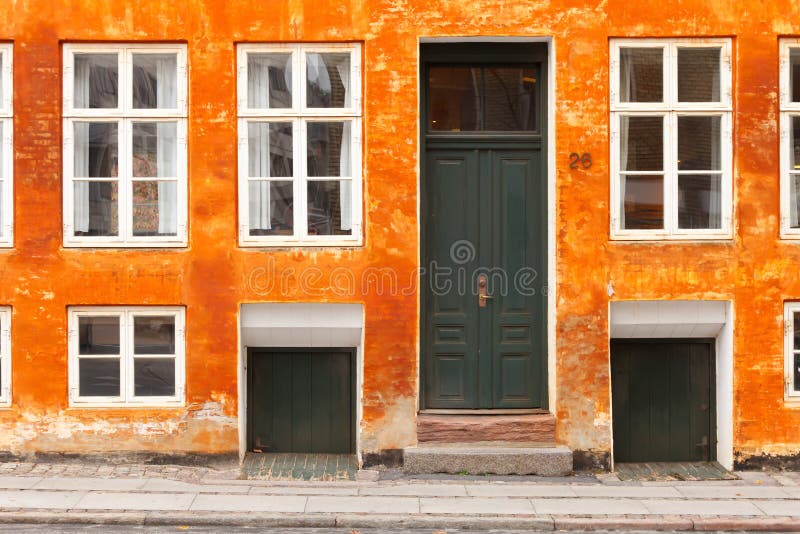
(173, 495)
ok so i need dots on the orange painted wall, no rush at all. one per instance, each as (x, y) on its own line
(212, 277)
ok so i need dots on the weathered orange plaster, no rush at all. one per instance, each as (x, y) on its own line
(213, 276)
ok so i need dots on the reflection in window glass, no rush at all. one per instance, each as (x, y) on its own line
(98, 335)
(642, 202)
(271, 205)
(328, 149)
(454, 96)
(642, 143)
(154, 334)
(99, 377)
(794, 74)
(698, 74)
(96, 208)
(699, 201)
(155, 81)
(154, 377)
(96, 81)
(699, 143)
(328, 80)
(270, 146)
(641, 74)
(329, 207)
(155, 150)
(269, 80)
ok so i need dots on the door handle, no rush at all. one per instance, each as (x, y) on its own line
(482, 296)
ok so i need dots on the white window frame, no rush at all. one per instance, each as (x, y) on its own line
(7, 145)
(790, 393)
(299, 115)
(788, 109)
(127, 397)
(5, 356)
(671, 109)
(124, 115)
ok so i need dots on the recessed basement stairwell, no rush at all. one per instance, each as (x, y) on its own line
(518, 444)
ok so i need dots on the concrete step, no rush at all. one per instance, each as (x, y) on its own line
(458, 428)
(498, 458)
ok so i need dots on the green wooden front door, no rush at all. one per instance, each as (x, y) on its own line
(484, 233)
(301, 401)
(663, 400)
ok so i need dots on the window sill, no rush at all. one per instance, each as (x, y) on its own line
(353, 243)
(683, 238)
(77, 405)
(120, 244)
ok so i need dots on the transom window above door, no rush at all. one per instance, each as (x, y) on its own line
(474, 98)
(299, 110)
(671, 154)
(125, 161)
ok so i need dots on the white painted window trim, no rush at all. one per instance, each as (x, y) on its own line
(788, 110)
(791, 394)
(7, 146)
(670, 109)
(127, 397)
(5, 356)
(299, 115)
(125, 115)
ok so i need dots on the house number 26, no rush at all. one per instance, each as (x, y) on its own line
(580, 160)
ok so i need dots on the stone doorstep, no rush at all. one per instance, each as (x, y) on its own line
(489, 458)
(457, 428)
(350, 520)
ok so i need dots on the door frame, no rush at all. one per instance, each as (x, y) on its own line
(712, 376)
(253, 351)
(508, 51)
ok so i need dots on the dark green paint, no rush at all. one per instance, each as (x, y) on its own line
(663, 400)
(301, 400)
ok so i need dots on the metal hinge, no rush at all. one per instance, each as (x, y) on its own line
(71, 333)
(787, 327)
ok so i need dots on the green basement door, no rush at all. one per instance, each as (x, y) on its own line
(663, 400)
(484, 233)
(301, 400)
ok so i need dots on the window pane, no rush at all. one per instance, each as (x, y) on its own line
(96, 209)
(797, 372)
(641, 75)
(2, 149)
(699, 201)
(96, 150)
(155, 149)
(794, 200)
(269, 149)
(510, 101)
(328, 149)
(454, 99)
(269, 80)
(641, 143)
(698, 74)
(328, 80)
(155, 81)
(98, 377)
(699, 143)
(96, 78)
(154, 335)
(642, 202)
(154, 377)
(271, 207)
(796, 331)
(794, 73)
(1, 78)
(98, 335)
(155, 208)
(330, 207)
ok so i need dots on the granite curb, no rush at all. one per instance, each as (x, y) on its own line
(353, 520)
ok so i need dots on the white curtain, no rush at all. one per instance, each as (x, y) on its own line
(81, 148)
(715, 193)
(623, 166)
(166, 97)
(318, 73)
(345, 168)
(258, 145)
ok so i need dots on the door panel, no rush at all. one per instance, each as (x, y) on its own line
(662, 400)
(301, 401)
(485, 217)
